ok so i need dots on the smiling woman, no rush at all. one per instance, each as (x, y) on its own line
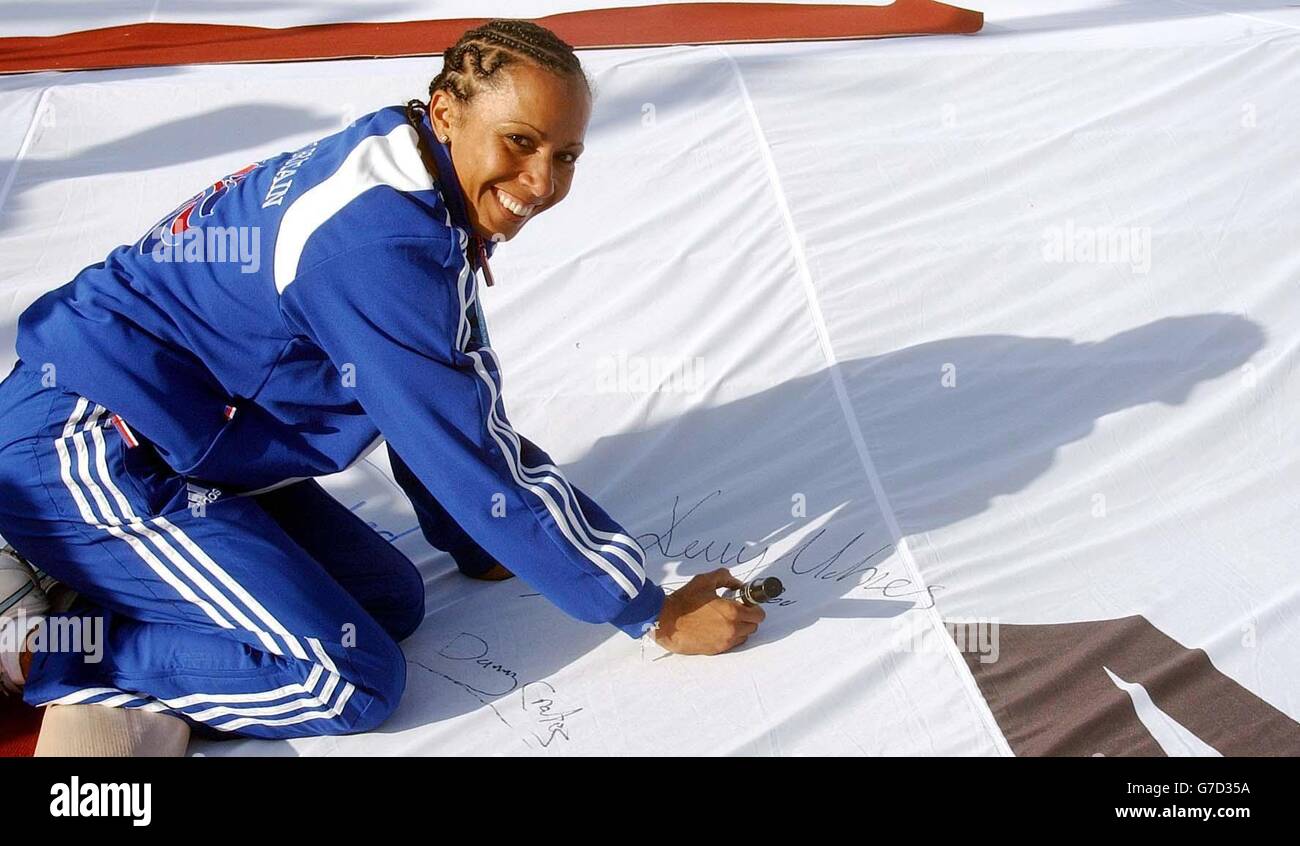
(512, 105)
(160, 432)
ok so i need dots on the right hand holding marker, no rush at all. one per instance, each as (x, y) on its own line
(696, 621)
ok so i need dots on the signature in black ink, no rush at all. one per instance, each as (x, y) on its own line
(663, 541)
(803, 561)
(472, 648)
(869, 577)
(839, 566)
(538, 700)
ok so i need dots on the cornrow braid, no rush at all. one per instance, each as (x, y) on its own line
(481, 52)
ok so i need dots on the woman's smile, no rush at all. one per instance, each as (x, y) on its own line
(515, 209)
(516, 148)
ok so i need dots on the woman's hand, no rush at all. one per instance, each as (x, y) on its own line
(696, 621)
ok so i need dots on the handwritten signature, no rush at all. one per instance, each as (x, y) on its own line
(472, 648)
(810, 559)
(538, 700)
(663, 541)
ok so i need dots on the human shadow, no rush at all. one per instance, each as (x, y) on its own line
(948, 426)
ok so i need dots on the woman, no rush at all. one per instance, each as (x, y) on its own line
(168, 404)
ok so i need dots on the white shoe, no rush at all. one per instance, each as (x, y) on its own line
(23, 604)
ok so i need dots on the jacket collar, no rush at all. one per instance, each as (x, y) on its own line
(449, 187)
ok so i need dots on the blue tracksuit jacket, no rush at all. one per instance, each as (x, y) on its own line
(283, 321)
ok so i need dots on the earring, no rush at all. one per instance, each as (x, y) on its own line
(442, 138)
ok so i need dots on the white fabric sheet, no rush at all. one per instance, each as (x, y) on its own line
(809, 299)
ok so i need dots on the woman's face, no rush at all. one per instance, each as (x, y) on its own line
(514, 145)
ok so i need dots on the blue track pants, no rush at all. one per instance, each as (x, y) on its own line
(273, 616)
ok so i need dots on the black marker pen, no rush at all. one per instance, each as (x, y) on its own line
(757, 591)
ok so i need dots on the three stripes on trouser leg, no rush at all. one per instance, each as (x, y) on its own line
(174, 558)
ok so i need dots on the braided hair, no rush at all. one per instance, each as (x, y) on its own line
(474, 60)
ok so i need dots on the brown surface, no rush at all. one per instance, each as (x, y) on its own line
(1050, 693)
(137, 45)
(96, 731)
(19, 726)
